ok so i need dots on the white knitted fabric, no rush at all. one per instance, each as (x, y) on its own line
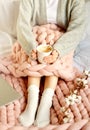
(27, 117)
(43, 113)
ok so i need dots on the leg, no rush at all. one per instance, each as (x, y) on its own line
(27, 117)
(43, 114)
(51, 82)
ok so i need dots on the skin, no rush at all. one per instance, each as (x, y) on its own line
(50, 81)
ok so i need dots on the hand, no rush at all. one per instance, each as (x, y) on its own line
(33, 55)
(51, 58)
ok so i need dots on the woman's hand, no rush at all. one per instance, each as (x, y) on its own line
(33, 55)
(51, 58)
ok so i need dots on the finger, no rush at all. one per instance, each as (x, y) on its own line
(48, 59)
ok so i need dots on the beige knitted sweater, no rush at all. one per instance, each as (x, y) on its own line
(70, 16)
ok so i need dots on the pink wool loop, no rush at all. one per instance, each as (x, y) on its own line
(10, 112)
(18, 65)
(79, 112)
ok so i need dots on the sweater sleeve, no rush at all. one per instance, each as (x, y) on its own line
(24, 29)
(75, 29)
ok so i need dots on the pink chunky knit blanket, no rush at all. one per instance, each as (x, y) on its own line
(15, 69)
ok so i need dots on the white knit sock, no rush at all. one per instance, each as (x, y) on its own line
(27, 117)
(43, 114)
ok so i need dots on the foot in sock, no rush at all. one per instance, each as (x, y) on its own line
(43, 113)
(28, 116)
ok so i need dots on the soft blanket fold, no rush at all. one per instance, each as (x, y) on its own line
(15, 69)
